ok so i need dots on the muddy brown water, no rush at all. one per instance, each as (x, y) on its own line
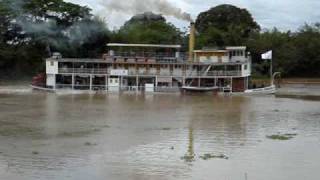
(80, 137)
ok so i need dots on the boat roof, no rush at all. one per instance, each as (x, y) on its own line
(144, 45)
(209, 51)
(236, 48)
(81, 60)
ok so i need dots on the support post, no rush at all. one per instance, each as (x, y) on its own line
(183, 81)
(156, 82)
(107, 83)
(121, 81)
(55, 82)
(72, 83)
(90, 82)
(231, 87)
(171, 81)
(137, 83)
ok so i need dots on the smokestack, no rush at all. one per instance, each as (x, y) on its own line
(191, 40)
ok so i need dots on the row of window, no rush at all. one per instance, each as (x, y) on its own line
(113, 81)
(237, 53)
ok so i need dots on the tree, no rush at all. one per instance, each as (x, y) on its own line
(148, 28)
(229, 23)
(29, 27)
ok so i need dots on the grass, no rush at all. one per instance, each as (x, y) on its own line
(282, 137)
(213, 156)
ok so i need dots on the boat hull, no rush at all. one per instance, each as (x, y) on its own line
(199, 89)
(266, 90)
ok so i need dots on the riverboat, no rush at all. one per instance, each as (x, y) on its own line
(151, 68)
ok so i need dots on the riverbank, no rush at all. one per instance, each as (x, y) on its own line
(306, 90)
(302, 88)
(285, 81)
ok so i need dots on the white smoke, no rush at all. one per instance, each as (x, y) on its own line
(139, 6)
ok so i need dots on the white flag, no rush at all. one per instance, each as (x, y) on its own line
(267, 55)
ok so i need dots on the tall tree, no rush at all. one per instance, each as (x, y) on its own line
(229, 24)
(148, 28)
(29, 27)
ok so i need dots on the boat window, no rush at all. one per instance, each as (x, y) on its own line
(51, 63)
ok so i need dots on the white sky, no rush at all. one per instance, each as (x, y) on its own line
(283, 14)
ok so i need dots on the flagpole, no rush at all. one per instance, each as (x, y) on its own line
(271, 71)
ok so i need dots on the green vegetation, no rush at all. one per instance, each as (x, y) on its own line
(90, 144)
(296, 54)
(192, 158)
(148, 28)
(213, 156)
(282, 137)
(225, 25)
(30, 30)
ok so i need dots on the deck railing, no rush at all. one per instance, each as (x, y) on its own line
(83, 71)
(189, 73)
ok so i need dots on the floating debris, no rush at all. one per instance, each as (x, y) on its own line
(80, 133)
(35, 152)
(282, 137)
(188, 158)
(89, 144)
(96, 130)
(166, 129)
(213, 156)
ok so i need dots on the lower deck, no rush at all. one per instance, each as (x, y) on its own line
(143, 83)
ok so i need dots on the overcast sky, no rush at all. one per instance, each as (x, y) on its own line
(283, 14)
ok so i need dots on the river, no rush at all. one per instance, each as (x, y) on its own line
(126, 136)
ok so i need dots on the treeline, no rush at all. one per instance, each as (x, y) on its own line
(30, 30)
(295, 54)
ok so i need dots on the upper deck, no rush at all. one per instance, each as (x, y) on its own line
(160, 60)
(164, 54)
